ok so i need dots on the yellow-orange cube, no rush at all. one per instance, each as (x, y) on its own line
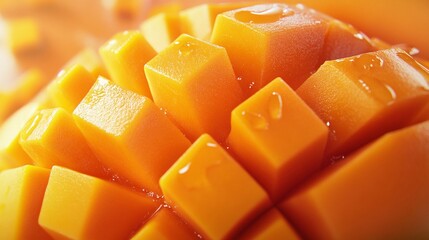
(271, 40)
(165, 224)
(90, 60)
(364, 96)
(51, 137)
(161, 29)
(129, 134)
(77, 206)
(193, 81)
(70, 87)
(21, 195)
(212, 191)
(379, 192)
(198, 21)
(277, 138)
(125, 56)
(11, 153)
(272, 225)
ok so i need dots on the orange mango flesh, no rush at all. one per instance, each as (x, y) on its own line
(193, 81)
(22, 190)
(90, 60)
(271, 225)
(125, 56)
(206, 187)
(70, 86)
(11, 153)
(77, 206)
(277, 138)
(160, 30)
(355, 96)
(198, 21)
(139, 155)
(257, 37)
(380, 192)
(132, 144)
(165, 224)
(51, 137)
(343, 40)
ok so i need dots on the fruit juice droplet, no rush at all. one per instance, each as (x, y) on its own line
(424, 83)
(186, 48)
(334, 159)
(275, 106)
(61, 73)
(239, 78)
(407, 48)
(251, 85)
(364, 85)
(274, 13)
(185, 169)
(211, 145)
(391, 91)
(359, 35)
(256, 120)
(34, 121)
(368, 62)
(112, 43)
(328, 123)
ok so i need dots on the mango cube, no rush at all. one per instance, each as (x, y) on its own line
(125, 56)
(11, 153)
(198, 21)
(51, 137)
(70, 87)
(129, 134)
(343, 40)
(380, 192)
(211, 190)
(268, 40)
(161, 29)
(277, 138)
(77, 206)
(193, 81)
(165, 224)
(21, 195)
(362, 97)
(271, 225)
(90, 60)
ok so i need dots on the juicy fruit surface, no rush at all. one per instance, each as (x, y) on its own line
(266, 121)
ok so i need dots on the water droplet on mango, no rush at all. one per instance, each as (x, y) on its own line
(270, 15)
(256, 120)
(275, 106)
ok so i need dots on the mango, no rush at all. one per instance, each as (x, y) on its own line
(78, 206)
(194, 83)
(130, 145)
(21, 194)
(262, 121)
(206, 187)
(125, 56)
(379, 192)
(51, 137)
(277, 138)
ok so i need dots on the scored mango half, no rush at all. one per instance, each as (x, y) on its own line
(220, 121)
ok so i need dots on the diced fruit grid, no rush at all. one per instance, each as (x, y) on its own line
(221, 121)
